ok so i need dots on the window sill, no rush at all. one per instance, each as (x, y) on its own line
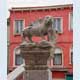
(15, 66)
(60, 33)
(71, 30)
(57, 66)
(70, 63)
(17, 34)
(60, 69)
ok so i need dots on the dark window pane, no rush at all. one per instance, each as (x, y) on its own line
(54, 23)
(58, 24)
(21, 25)
(57, 59)
(16, 27)
(71, 57)
(18, 59)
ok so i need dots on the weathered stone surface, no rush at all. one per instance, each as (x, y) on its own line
(37, 75)
(40, 28)
(36, 56)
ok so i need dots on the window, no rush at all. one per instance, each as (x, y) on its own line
(57, 24)
(57, 57)
(71, 56)
(18, 58)
(71, 21)
(18, 26)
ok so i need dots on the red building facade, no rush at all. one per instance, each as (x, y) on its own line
(62, 63)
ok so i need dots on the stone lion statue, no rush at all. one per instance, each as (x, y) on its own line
(40, 27)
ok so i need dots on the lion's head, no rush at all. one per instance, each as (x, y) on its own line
(48, 20)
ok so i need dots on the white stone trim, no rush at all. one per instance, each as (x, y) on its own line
(50, 74)
(69, 21)
(16, 72)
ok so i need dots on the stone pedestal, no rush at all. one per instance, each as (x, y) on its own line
(37, 75)
(36, 57)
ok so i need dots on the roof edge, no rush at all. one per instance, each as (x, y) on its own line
(40, 7)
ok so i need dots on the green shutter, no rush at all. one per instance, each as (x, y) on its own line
(69, 77)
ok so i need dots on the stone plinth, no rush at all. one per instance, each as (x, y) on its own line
(36, 57)
(37, 75)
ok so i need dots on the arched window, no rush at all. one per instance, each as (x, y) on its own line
(57, 57)
(18, 58)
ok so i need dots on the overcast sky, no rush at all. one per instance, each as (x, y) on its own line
(30, 3)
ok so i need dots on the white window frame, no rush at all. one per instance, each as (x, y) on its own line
(71, 50)
(57, 66)
(14, 58)
(70, 29)
(61, 23)
(14, 26)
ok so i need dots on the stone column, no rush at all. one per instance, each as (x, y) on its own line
(36, 57)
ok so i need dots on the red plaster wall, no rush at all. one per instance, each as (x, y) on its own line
(58, 74)
(64, 40)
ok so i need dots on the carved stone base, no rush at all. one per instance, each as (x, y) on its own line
(37, 75)
(36, 57)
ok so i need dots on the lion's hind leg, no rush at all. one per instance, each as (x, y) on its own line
(30, 38)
